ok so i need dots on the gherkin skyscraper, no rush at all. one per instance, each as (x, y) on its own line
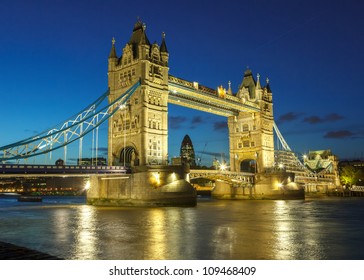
(187, 152)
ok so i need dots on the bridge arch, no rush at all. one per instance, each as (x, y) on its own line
(129, 156)
(248, 165)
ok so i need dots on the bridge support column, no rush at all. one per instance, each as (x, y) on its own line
(146, 186)
(278, 185)
(225, 190)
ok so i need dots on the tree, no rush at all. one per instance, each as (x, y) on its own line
(350, 175)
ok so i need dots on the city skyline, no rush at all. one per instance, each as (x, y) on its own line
(54, 62)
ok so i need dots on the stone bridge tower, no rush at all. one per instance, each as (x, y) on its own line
(138, 132)
(251, 134)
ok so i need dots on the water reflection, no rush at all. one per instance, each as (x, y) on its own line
(224, 240)
(170, 234)
(284, 231)
(156, 247)
(61, 225)
(212, 230)
(85, 233)
(298, 231)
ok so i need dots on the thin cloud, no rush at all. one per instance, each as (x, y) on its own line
(101, 150)
(176, 122)
(339, 134)
(222, 125)
(313, 120)
(197, 120)
(333, 117)
(290, 116)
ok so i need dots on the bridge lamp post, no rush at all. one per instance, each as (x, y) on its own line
(122, 107)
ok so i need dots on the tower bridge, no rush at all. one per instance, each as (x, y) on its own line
(140, 88)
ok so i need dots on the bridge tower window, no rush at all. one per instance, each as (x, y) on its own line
(245, 127)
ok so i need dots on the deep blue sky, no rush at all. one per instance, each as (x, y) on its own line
(53, 62)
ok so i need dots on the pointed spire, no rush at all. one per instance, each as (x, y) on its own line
(268, 86)
(139, 35)
(163, 44)
(113, 51)
(258, 86)
(229, 89)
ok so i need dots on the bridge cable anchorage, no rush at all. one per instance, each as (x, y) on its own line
(63, 134)
(281, 139)
(295, 160)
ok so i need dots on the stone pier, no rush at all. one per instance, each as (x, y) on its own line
(145, 186)
(279, 185)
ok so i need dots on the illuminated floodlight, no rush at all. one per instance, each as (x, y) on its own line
(156, 178)
(87, 185)
(223, 167)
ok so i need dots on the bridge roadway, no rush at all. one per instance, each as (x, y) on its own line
(195, 96)
(228, 176)
(41, 170)
(31, 170)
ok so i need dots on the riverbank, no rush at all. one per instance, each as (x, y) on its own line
(12, 252)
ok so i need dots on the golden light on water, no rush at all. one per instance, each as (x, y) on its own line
(156, 248)
(283, 230)
(86, 245)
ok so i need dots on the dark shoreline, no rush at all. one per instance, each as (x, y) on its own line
(10, 251)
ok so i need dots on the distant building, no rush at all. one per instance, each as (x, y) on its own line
(187, 153)
(91, 161)
(320, 160)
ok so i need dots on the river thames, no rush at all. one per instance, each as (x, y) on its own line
(311, 229)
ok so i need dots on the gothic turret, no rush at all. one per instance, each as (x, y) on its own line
(113, 58)
(139, 41)
(258, 89)
(248, 83)
(267, 86)
(164, 50)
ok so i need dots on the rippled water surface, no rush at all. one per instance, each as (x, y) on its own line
(319, 229)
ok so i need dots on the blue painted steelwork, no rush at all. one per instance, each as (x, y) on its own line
(67, 132)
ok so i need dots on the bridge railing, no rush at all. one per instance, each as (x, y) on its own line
(59, 169)
(218, 174)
